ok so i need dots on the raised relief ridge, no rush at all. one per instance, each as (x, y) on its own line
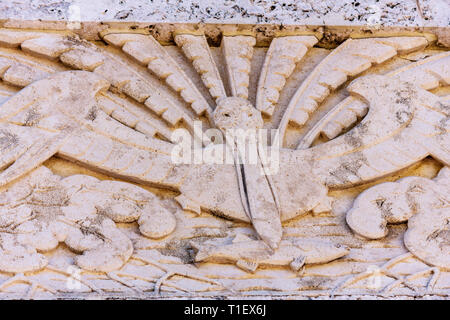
(87, 161)
(348, 60)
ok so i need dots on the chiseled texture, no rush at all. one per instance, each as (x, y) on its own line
(341, 12)
(396, 202)
(89, 180)
(42, 210)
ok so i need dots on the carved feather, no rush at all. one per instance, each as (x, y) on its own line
(238, 52)
(283, 54)
(196, 49)
(147, 51)
(348, 60)
(404, 125)
(20, 73)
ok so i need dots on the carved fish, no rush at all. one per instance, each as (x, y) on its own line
(249, 254)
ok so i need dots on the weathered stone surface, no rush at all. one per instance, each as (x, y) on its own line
(396, 202)
(88, 160)
(340, 12)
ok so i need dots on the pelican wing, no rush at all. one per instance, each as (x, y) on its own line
(31, 125)
(80, 54)
(147, 51)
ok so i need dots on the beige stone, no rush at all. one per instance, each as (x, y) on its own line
(248, 254)
(396, 202)
(348, 60)
(426, 73)
(280, 61)
(197, 51)
(149, 52)
(80, 211)
(238, 52)
(352, 118)
(427, 234)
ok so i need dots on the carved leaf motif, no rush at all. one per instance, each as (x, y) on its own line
(128, 113)
(80, 211)
(422, 202)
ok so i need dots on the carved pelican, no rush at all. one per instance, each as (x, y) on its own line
(63, 115)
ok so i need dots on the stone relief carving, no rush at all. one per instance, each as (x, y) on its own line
(422, 202)
(89, 181)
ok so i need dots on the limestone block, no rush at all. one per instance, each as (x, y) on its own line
(105, 168)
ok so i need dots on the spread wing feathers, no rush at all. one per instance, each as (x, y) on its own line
(19, 72)
(80, 54)
(281, 58)
(428, 74)
(35, 124)
(112, 134)
(404, 124)
(31, 124)
(132, 116)
(196, 49)
(147, 51)
(99, 122)
(5, 94)
(120, 158)
(348, 60)
(238, 53)
(36, 146)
